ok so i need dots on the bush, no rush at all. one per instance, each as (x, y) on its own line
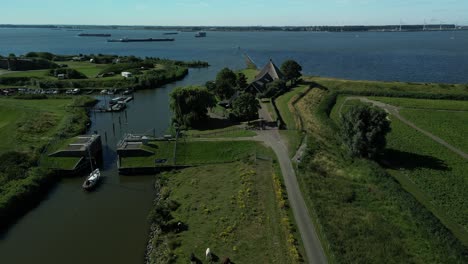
(69, 73)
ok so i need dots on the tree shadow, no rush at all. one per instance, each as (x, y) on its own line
(397, 159)
(215, 123)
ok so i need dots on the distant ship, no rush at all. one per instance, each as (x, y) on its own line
(140, 40)
(200, 34)
(170, 33)
(93, 35)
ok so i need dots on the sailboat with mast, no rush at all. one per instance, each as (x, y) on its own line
(93, 178)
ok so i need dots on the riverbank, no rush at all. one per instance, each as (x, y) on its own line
(27, 128)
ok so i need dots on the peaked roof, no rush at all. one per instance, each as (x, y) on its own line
(270, 69)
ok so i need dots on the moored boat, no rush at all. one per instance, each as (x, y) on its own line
(200, 34)
(92, 180)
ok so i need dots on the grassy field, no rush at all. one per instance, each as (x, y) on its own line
(427, 169)
(229, 132)
(390, 88)
(359, 195)
(230, 208)
(194, 153)
(424, 103)
(28, 124)
(26, 127)
(91, 70)
(450, 126)
(436, 170)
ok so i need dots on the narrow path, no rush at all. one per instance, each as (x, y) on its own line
(395, 112)
(272, 138)
(312, 245)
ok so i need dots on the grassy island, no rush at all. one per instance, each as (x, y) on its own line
(51, 71)
(27, 127)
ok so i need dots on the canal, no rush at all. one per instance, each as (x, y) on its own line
(108, 225)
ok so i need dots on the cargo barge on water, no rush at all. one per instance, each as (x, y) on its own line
(93, 35)
(140, 40)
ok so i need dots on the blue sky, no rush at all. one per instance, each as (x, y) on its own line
(232, 12)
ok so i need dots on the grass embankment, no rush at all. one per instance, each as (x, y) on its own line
(26, 128)
(291, 117)
(236, 209)
(190, 153)
(447, 119)
(433, 173)
(229, 132)
(362, 213)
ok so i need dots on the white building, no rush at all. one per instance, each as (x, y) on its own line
(126, 74)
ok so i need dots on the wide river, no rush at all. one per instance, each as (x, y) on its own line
(109, 225)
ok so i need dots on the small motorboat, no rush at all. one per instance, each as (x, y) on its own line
(92, 180)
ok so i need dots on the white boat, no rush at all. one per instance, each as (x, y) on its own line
(92, 180)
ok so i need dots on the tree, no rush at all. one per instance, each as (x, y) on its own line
(190, 105)
(242, 81)
(363, 129)
(245, 107)
(291, 70)
(224, 89)
(274, 88)
(226, 82)
(226, 75)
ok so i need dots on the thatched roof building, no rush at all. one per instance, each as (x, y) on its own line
(268, 74)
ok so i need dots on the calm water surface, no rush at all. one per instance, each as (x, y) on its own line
(109, 225)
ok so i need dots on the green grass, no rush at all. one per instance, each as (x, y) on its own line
(271, 110)
(293, 140)
(28, 124)
(250, 74)
(284, 104)
(230, 208)
(162, 150)
(436, 170)
(91, 70)
(424, 103)
(362, 214)
(194, 153)
(450, 126)
(430, 89)
(35, 73)
(229, 132)
(63, 163)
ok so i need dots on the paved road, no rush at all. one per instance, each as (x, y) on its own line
(395, 112)
(313, 248)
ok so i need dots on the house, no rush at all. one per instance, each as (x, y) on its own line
(61, 76)
(268, 74)
(126, 74)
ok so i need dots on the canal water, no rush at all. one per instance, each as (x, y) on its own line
(109, 225)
